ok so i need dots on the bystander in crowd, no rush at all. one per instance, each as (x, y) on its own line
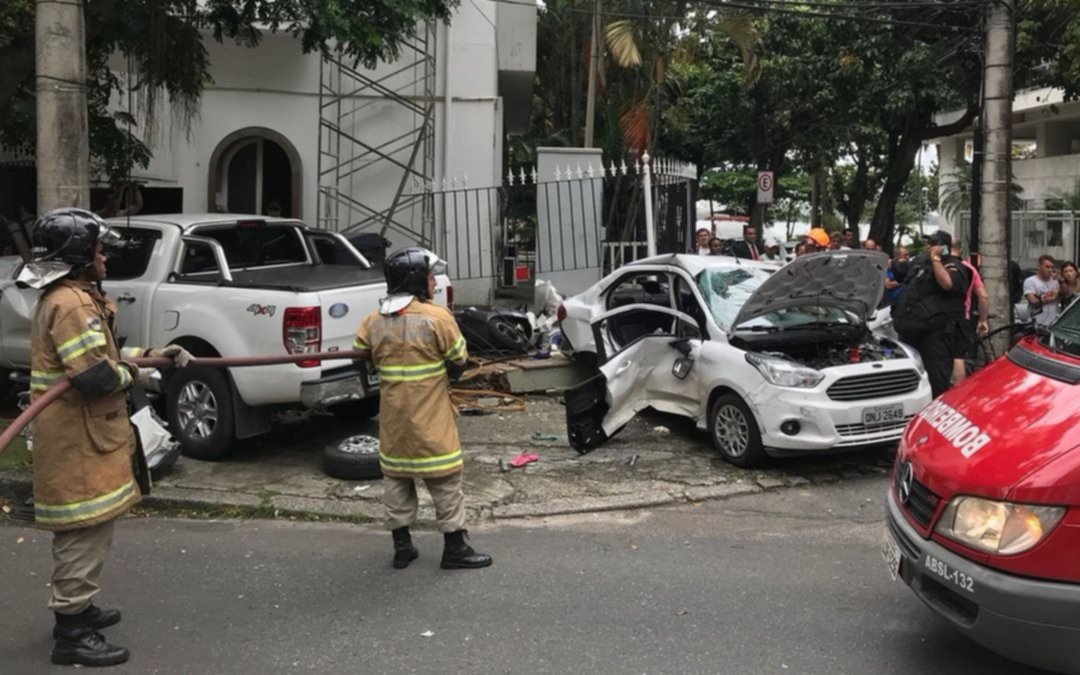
(1067, 283)
(972, 327)
(1041, 291)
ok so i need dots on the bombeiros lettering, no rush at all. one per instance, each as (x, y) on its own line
(965, 435)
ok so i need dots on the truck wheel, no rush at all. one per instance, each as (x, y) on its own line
(735, 432)
(356, 411)
(199, 406)
(355, 458)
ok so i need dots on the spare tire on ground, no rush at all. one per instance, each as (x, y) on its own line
(353, 458)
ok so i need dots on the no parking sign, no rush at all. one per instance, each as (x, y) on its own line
(765, 187)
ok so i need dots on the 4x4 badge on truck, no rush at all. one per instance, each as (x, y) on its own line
(907, 477)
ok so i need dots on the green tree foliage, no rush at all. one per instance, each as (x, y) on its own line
(164, 41)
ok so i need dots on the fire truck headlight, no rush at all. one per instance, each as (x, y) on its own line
(1000, 528)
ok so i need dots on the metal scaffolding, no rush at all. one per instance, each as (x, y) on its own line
(355, 154)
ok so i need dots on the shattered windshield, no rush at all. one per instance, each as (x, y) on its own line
(1065, 332)
(726, 290)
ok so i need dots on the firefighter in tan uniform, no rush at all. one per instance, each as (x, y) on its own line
(84, 443)
(415, 347)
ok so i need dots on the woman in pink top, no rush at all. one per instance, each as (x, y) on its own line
(965, 340)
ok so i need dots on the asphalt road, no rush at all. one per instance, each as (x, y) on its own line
(782, 582)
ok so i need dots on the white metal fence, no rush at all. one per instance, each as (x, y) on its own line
(583, 216)
(1036, 233)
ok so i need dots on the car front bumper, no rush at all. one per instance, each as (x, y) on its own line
(338, 386)
(826, 424)
(1028, 620)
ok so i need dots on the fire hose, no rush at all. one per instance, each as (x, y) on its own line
(58, 389)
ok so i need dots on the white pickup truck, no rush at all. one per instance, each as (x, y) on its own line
(235, 286)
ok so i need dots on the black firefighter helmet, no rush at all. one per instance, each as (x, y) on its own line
(70, 236)
(407, 271)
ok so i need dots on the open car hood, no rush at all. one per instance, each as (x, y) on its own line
(850, 280)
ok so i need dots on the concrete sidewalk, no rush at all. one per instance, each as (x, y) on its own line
(656, 460)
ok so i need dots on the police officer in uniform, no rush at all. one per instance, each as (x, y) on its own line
(85, 451)
(416, 347)
(930, 309)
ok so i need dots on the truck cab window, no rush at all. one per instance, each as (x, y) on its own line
(129, 257)
(197, 259)
(259, 246)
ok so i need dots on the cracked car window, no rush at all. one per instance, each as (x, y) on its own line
(725, 291)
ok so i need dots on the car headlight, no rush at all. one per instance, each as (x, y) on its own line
(1001, 528)
(785, 373)
(914, 355)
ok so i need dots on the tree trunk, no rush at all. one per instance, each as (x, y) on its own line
(883, 223)
(858, 193)
(577, 86)
(825, 202)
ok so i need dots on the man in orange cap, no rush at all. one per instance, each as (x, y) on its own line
(817, 239)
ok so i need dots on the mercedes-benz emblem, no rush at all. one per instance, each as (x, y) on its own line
(907, 478)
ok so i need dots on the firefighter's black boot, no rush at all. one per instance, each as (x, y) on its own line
(93, 617)
(79, 644)
(404, 551)
(458, 555)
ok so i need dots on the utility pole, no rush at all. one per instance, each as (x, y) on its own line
(594, 67)
(63, 146)
(997, 118)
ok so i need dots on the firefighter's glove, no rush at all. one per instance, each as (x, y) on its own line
(180, 356)
(144, 377)
(456, 370)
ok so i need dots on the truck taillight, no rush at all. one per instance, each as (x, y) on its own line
(560, 313)
(450, 298)
(302, 332)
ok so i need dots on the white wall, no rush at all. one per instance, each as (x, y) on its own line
(276, 86)
(1039, 177)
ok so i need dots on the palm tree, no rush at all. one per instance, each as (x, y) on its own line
(650, 44)
(1065, 200)
(956, 192)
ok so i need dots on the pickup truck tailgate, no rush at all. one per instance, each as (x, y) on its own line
(344, 308)
(342, 311)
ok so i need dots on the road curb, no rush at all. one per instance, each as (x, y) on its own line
(233, 504)
(559, 507)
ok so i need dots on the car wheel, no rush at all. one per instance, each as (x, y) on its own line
(355, 458)
(735, 432)
(356, 411)
(199, 407)
(507, 336)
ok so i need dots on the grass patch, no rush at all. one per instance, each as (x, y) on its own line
(230, 512)
(17, 456)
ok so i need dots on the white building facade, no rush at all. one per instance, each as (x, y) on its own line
(1046, 163)
(351, 149)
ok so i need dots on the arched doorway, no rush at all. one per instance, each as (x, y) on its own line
(254, 169)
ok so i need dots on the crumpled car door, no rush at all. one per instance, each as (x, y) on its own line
(652, 351)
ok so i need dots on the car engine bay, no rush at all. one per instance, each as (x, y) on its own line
(824, 348)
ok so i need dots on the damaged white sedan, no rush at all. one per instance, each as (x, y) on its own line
(770, 360)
